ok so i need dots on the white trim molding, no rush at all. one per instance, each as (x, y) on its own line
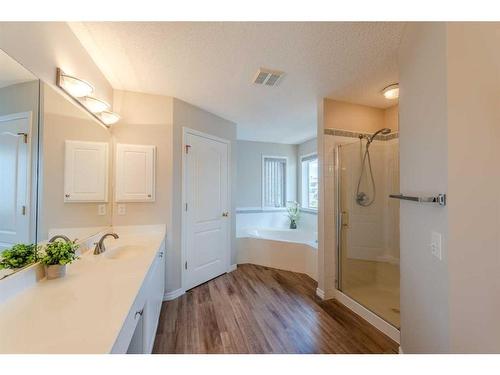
(232, 268)
(400, 350)
(169, 296)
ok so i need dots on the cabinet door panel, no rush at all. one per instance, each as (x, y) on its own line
(86, 172)
(155, 298)
(135, 173)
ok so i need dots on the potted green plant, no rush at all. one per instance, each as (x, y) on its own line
(293, 209)
(56, 256)
(18, 256)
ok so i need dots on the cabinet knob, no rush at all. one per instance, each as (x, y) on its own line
(67, 195)
(160, 254)
(149, 195)
(225, 214)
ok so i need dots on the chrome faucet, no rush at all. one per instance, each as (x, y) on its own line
(61, 236)
(99, 246)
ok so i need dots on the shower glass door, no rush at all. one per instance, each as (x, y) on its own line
(368, 226)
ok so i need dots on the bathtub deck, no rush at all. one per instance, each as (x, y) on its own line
(257, 309)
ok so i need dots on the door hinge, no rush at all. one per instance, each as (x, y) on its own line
(186, 265)
(187, 148)
(25, 137)
(23, 210)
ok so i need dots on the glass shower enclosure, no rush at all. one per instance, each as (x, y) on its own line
(368, 224)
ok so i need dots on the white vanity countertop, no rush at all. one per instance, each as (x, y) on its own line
(84, 311)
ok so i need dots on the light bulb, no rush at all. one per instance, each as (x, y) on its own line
(95, 105)
(391, 91)
(108, 117)
(76, 87)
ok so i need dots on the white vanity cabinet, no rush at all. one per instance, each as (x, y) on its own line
(86, 171)
(139, 329)
(135, 173)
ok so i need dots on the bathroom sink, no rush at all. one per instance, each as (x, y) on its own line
(123, 252)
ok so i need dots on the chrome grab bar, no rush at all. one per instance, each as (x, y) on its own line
(439, 199)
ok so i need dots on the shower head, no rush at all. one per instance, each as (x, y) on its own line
(384, 131)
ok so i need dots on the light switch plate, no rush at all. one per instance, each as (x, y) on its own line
(436, 245)
(122, 209)
(101, 209)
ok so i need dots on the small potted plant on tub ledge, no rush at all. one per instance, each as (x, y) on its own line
(56, 256)
(293, 209)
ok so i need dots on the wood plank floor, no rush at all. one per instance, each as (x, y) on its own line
(257, 309)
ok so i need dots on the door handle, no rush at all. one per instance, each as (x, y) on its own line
(225, 214)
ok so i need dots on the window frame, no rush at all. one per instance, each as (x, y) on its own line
(304, 181)
(263, 182)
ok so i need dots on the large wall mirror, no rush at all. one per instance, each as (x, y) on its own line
(55, 162)
(19, 119)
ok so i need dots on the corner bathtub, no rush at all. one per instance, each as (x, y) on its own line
(287, 249)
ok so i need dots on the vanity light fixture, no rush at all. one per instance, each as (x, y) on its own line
(391, 91)
(80, 91)
(109, 118)
(94, 105)
(74, 86)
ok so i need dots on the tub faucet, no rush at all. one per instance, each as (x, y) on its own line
(99, 246)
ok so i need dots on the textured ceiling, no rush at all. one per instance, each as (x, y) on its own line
(11, 72)
(212, 65)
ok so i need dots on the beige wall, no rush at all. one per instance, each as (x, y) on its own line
(473, 83)
(249, 160)
(64, 120)
(41, 47)
(449, 140)
(357, 117)
(423, 171)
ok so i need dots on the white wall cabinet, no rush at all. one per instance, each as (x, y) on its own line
(138, 332)
(86, 171)
(135, 173)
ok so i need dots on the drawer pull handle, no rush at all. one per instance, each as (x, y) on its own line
(138, 313)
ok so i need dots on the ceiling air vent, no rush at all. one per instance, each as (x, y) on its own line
(268, 77)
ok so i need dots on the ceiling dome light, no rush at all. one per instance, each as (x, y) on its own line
(109, 118)
(94, 105)
(76, 87)
(391, 91)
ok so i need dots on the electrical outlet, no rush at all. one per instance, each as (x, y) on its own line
(101, 209)
(122, 209)
(436, 243)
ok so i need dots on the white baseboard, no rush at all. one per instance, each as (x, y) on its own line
(232, 268)
(168, 296)
(401, 350)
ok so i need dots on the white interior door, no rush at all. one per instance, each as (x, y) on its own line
(206, 221)
(14, 179)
